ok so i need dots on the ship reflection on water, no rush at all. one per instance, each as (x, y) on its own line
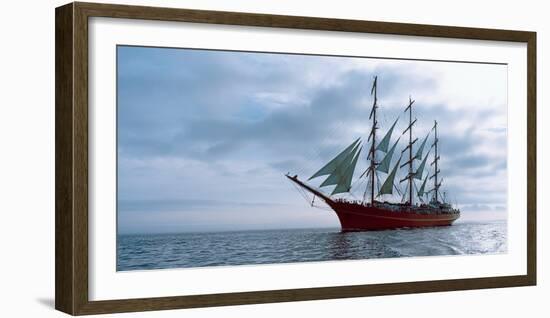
(340, 245)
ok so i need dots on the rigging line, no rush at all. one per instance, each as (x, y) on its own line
(316, 153)
(358, 182)
(301, 191)
(364, 172)
(359, 179)
(355, 183)
(304, 194)
(363, 185)
(398, 190)
(361, 182)
(416, 190)
(369, 183)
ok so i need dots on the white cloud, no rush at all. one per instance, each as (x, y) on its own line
(227, 126)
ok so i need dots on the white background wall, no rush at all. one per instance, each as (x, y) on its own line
(27, 159)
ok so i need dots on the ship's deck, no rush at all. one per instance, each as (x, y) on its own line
(439, 208)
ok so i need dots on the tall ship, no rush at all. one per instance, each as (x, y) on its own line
(418, 206)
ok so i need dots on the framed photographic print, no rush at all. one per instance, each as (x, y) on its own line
(211, 158)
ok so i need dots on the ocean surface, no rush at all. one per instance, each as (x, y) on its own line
(158, 251)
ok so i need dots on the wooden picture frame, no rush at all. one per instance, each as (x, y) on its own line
(71, 124)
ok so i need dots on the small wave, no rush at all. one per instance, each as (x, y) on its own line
(305, 245)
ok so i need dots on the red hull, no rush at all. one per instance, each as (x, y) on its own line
(359, 217)
(382, 216)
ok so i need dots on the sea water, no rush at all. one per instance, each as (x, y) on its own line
(183, 250)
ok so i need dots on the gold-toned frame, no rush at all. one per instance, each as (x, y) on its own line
(71, 154)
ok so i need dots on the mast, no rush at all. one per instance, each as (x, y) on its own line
(373, 135)
(411, 174)
(436, 159)
(410, 152)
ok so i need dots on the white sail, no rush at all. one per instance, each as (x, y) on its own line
(420, 171)
(421, 148)
(421, 191)
(387, 187)
(344, 183)
(334, 163)
(404, 197)
(341, 169)
(384, 165)
(385, 142)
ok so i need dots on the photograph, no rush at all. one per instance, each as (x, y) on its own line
(229, 158)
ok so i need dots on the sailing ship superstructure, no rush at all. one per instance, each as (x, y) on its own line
(371, 213)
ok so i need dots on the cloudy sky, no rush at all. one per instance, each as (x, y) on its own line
(205, 137)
